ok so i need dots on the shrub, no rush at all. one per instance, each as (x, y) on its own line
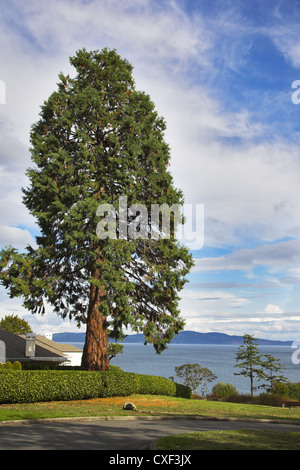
(17, 365)
(240, 398)
(153, 385)
(35, 386)
(25, 386)
(269, 400)
(194, 375)
(222, 390)
(287, 390)
(183, 391)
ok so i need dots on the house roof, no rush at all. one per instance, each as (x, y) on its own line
(53, 346)
(46, 349)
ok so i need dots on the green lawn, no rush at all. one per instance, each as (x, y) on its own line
(146, 405)
(162, 405)
(231, 440)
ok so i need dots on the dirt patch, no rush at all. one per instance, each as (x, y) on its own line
(138, 401)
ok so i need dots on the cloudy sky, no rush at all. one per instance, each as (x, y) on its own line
(223, 74)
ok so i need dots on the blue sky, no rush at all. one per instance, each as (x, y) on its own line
(221, 74)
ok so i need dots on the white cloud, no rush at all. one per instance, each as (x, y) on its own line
(144, 29)
(274, 256)
(15, 237)
(274, 324)
(41, 324)
(249, 186)
(286, 38)
(273, 309)
(245, 187)
(211, 310)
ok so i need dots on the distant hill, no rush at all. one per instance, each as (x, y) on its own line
(69, 337)
(184, 337)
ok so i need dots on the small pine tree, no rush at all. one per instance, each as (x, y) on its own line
(273, 372)
(249, 360)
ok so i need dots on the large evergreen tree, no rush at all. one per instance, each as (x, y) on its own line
(99, 139)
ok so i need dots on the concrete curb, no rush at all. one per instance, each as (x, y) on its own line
(150, 418)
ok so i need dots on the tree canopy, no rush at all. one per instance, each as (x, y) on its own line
(15, 324)
(97, 140)
(194, 375)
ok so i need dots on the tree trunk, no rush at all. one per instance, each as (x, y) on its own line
(251, 383)
(95, 351)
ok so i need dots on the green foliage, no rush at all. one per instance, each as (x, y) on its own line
(15, 324)
(11, 365)
(114, 349)
(153, 385)
(183, 391)
(272, 372)
(8, 365)
(194, 375)
(287, 390)
(224, 390)
(17, 365)
(52, 385)
(248, 359)
(268, 399)
(98, 138)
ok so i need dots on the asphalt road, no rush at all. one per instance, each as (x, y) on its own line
(116, 434)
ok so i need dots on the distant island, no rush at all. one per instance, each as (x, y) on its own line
(184, 337)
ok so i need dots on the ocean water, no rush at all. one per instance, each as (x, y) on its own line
(220, 359)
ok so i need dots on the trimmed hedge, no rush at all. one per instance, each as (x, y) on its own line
(11, 365)
(27, 386)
